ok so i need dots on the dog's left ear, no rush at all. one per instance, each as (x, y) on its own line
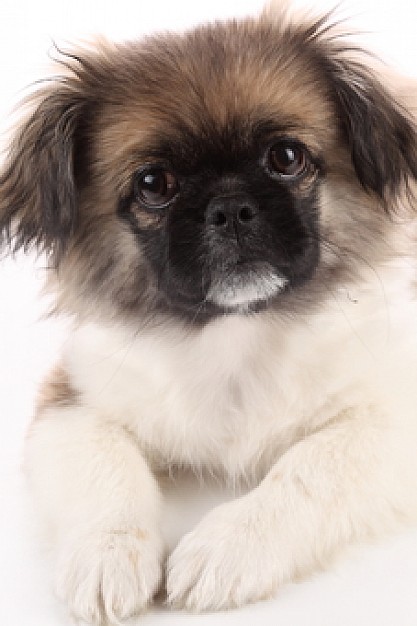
(380, 134)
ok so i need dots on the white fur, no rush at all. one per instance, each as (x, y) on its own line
(241, 292)
(320, 409)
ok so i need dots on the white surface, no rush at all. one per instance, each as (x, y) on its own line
(374, 585)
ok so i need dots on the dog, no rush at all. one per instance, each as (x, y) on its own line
(229, 219)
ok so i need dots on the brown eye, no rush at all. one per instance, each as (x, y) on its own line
(155, 187)
(288, 160)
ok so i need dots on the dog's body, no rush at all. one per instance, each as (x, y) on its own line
(209, 399)
(238, 260)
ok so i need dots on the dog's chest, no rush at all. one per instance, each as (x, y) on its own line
(232, 397)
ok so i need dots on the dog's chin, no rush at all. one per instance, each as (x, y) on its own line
(235, 292)
(247, 292)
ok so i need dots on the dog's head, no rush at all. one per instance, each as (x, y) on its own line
(240, 166)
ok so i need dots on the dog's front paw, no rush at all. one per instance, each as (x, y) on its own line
(108, 576)
(228, 560)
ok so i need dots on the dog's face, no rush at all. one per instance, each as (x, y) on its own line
(237, 167)
(224, 208)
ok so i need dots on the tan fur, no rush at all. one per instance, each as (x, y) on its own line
(56, 391)
(213, 76)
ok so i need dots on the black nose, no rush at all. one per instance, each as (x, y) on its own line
(226, 213)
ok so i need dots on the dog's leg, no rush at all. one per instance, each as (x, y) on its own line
(353, 479)
(101, 503)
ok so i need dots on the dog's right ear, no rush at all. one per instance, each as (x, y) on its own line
(38, 182)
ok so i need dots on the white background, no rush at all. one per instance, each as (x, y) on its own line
(374, 585)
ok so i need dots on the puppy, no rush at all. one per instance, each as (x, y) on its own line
(228, 214)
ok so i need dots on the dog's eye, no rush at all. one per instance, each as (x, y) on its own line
(155, 187)
(287, 160)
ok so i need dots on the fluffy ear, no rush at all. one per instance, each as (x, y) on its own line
(38, 184)
(380, 133)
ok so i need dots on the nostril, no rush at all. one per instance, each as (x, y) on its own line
(219, 218)
(246, 214)
(228, 212)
